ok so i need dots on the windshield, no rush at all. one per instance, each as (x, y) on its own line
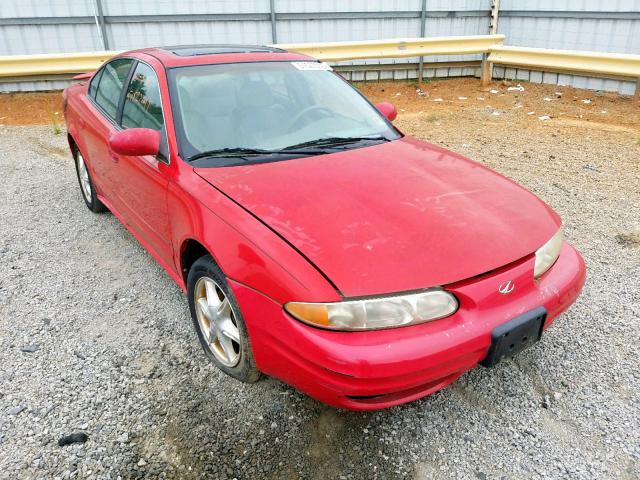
(268, 106)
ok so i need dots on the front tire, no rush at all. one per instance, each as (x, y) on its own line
(218, 321)
(87, 187)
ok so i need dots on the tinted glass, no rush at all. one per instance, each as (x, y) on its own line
(142, 107)
(268, 105)
(93, 85)
(111, 83)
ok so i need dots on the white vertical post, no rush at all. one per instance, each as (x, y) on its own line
(423, 29)
(487, 67)
(98, 15)
(272, 16)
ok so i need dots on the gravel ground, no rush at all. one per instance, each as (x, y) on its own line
(96, 339)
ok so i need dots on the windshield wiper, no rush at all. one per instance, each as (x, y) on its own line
(298, 148)
(335, 141)
(228, 152)
(245, 151)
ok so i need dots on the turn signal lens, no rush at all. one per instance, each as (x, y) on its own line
(547, 255)
(376, 313)
(315, 313)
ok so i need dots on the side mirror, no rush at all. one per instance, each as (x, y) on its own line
(135, 142)
(388, 110)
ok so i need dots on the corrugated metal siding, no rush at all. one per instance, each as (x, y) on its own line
(171, 7)
(378, 28)
(604, 35)
(50, 8)
(577, 5)
(126, 36)
(392, 18)
(313, 6)
(571, 32)
(34, 39)
(40, 85)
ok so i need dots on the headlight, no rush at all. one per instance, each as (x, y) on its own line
(376, 313)
(547, 254)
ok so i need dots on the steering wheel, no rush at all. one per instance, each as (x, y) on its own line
(305, 112)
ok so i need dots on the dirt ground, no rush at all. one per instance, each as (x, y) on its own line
(113, 353)
(521, 101)
(37, 108)
(429, 101)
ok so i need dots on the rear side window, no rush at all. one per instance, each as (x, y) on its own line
(142, 106)
(114, 75)
(93, 84)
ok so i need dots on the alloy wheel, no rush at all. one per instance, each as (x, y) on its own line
(83, 174)
(217, 322)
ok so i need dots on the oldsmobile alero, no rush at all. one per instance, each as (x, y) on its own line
(316, 243)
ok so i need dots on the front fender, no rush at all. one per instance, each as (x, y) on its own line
(244, 248)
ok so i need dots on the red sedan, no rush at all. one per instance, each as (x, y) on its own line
(316, 242)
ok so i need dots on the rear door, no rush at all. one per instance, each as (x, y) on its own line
(142, 181)
(104, 93)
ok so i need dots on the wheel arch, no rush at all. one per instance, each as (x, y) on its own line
(73, 146)
(190, 251)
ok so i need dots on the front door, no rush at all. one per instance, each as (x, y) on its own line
(141, 182)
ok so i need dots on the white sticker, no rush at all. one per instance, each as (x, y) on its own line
(311, 66)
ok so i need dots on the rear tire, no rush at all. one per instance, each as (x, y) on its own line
(87, 187)
(218, 321)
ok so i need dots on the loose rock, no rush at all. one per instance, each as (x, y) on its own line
(78, 437)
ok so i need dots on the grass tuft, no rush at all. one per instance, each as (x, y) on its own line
(55, 122)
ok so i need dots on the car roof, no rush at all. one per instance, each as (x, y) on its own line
(185, 55)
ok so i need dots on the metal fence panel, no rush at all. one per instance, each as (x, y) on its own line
(600, 35)
(35, 39)
(50, 8)
(612, 26)
(172, 7)
(576, 5)
(127, 36)
(37, 26)
(312, 6)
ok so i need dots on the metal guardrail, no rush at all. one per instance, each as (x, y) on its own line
(566, 60)
(573, 61)
(34, 65)
(54, 64)
(397, 48)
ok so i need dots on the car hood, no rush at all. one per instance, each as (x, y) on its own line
(393, 217)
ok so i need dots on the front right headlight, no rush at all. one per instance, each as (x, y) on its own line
(376, 313)
(547, 254)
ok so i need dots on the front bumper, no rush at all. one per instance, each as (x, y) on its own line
(378, 369)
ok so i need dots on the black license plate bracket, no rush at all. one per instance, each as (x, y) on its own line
(515, 335)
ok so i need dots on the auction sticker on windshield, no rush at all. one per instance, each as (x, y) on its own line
(311, 66)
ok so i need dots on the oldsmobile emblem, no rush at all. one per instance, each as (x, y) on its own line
(506, 287)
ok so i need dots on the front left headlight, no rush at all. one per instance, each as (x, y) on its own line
(547, 255)
(376, 313)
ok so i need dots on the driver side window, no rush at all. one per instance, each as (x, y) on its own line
(142, 105)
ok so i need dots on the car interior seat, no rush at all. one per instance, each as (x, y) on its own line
(258, 116)
(208, 108)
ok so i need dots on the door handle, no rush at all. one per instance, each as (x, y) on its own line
(113, 156)
(81, 123)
